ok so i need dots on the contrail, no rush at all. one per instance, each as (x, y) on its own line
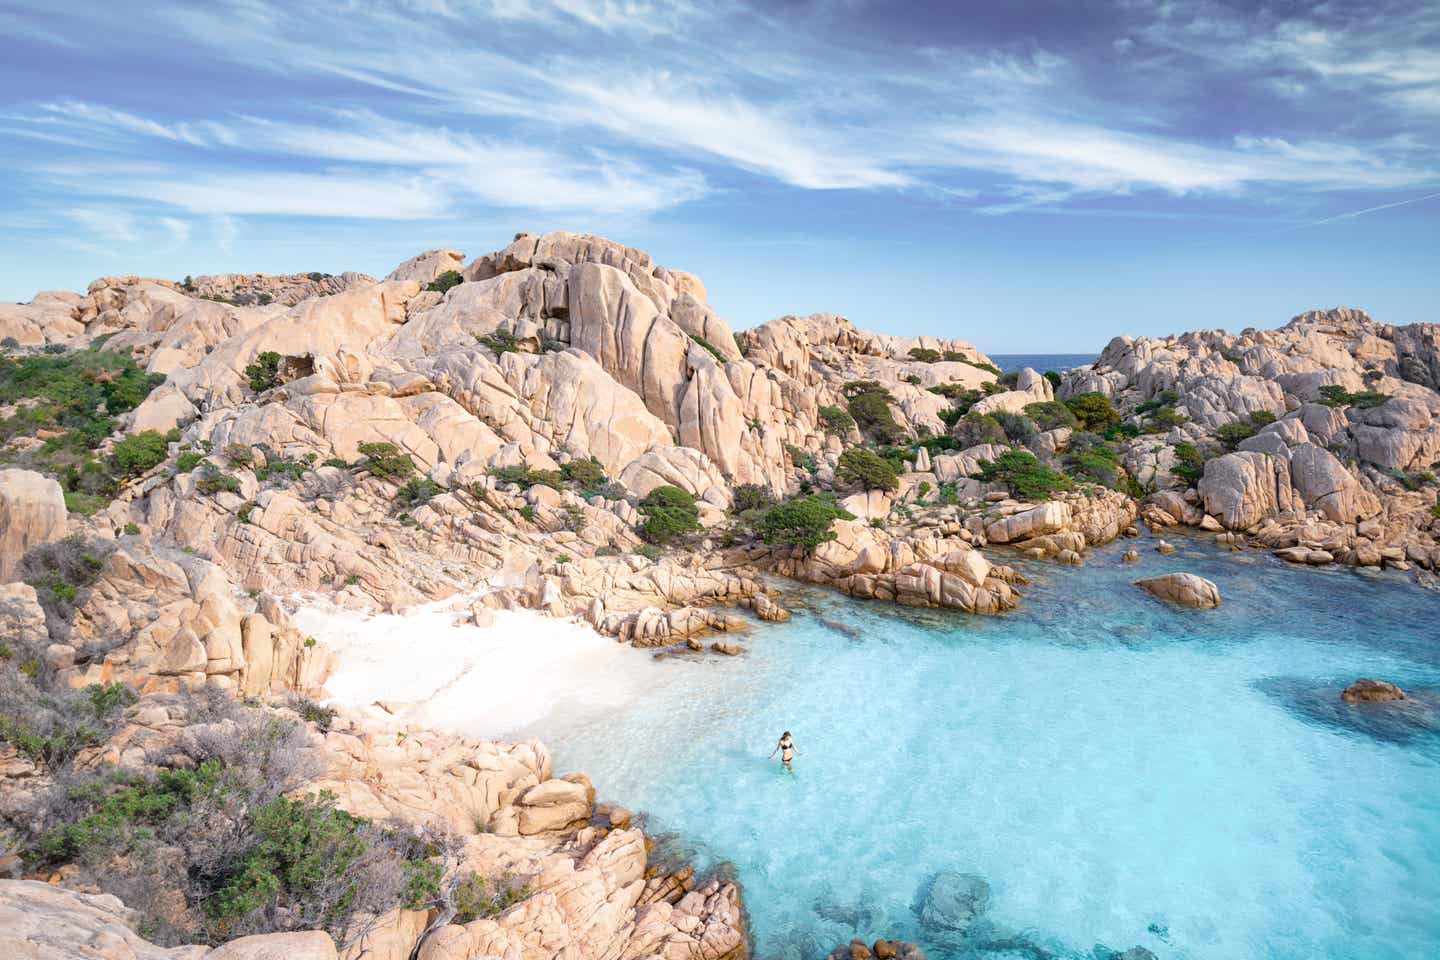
(1383, 206)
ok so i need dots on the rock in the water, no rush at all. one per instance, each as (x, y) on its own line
(1373, 691)
(1130, 556)
(726, 647)
(1186, 589)
(1165, 546)
(954, 901)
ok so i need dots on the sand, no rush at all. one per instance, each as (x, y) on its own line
(495, 681)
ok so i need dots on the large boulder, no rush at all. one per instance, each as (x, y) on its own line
(32, 511)
(1185, 589)
(1241, 489)
(1048, 517)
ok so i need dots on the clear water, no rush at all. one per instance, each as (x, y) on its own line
(1042, 361)
(1119, 772)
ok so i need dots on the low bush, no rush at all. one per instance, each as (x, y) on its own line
(835, 420)
(138, 453)
(1189, 463)
(925, 355)
(1262, 418)
(85, 504)
(977, 428)
(867, 470)
(750, 497)
(1051, 415)
(1337, 396)
(1026, 476)
(871, 411)
(386, 460)
(586, 473)
(671, 515)
(987, 367)
(1093, 410)
(188, 460)
(212, 480)
(1054, 378)
(804, 521)
(238, 454)
(1163, 419)
(417, 491)
(446, 280)
(264, 372)
(1231, 434)
(525, 477)
(710, 348)
(1018, 427)
(62, 572)
(1089, 457)
(500, 342)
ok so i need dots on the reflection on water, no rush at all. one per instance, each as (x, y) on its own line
(1116, 772)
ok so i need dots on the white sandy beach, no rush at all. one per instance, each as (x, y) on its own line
(487, 681)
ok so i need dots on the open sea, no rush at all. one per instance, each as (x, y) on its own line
(1101, 770)
(1042, 361)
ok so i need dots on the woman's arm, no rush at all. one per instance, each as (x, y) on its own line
(773, 752)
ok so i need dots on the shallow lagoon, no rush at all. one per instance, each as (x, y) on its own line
(1120, 772)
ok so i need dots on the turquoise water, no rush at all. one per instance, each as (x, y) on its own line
(1119, 772)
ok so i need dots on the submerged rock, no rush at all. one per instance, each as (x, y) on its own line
(954, 901)
(1185, 589)
(1373, 691)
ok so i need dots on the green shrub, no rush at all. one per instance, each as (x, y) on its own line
(987, 367)
(977, 428)
(800, 458)
(586, 473)
(1162, 419)
(475, 898)
(925, 354)
(1190, 463)
(212, 480)
(1093, 410)
(62, 571)
(751, 496)
(188, 460)
(1165, 398)
(238, 454)
(418, 491)
(335, 462)
(866, 469)
(264, 372)
(835, 420)
(1054, 378)
(277, 467)
(1118, 431)
(1231, 434)
(1435, 509)
(138, 453)
(1089, 457)
(1050, 415)
(446, 280)
(1010, 379)
(1018, 427)
(243, 513)
(1026, 476)
(1262, 418)
(871, 411)
(1337, 396)
(132, 530)
(670, 515)
(85, 504)
(383, 459)
(500, 342)
(521, 474)
(939, 444)
(709, 347)
(801, 521)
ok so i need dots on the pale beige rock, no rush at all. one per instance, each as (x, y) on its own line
(32, 512)
(1184, 589)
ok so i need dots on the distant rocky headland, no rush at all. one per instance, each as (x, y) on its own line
(560, 426)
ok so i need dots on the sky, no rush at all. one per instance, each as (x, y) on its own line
(1030, 176)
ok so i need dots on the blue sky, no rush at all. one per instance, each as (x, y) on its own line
(1030, 176)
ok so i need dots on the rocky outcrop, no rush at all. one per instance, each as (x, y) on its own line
(1367, 690)
(32, 511)
(39, 921)
(1183, 589)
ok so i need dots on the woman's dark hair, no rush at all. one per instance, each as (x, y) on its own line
(785, 734)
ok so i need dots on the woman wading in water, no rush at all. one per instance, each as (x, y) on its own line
(786, 749)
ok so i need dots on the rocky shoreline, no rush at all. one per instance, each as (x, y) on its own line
(565, 426)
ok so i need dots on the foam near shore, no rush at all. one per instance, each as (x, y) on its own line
(491, 681)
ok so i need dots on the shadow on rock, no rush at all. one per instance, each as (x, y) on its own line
(1399, 721)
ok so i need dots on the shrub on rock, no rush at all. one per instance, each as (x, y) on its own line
(1026, 476)
(138, 453)
(670, 515)
(386, 460)
(1093, 410)
(866, 469)
(802, 521)
(446, 280)
(264, 372)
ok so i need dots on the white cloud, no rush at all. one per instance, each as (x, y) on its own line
(226, 229)
(178, 229)
(104, 224)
